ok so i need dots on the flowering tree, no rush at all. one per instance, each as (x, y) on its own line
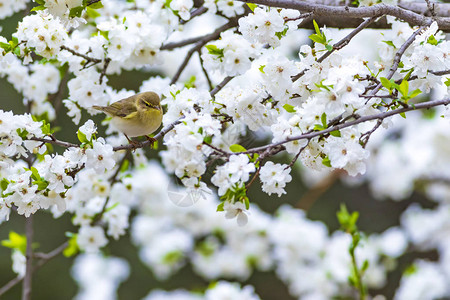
(369, 101)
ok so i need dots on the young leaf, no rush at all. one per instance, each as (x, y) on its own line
(289, 108)
(213, 50)
(335, 133)
(252, 6)
(403, 88)
(237, 148)
(72, 248)
(96, 5)
(220, 206)
(16, 241)
(76, 11)
(92, 13)
(326, 162)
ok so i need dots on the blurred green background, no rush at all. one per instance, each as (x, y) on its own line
(53, 281)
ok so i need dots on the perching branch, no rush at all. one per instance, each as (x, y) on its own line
(158, 136)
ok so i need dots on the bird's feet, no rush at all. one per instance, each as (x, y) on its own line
(151, 140)
(135, 144)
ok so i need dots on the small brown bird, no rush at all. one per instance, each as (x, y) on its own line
(138, 115)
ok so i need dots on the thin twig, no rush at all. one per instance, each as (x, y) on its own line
(339, 45)
(54, 141)
(217, 150)
(43, 258)
(195, 13)
(200, 44)
(253, 178)
(88, 58)
(221, 85)
(27, 280)
(105, 66)
(297, 155)
(397, 58)
(431, 8)
(204, 71)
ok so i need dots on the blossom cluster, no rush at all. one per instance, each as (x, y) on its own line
(273, 86)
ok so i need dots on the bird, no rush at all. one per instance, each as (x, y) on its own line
(138, 115)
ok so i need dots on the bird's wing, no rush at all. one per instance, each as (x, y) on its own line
(123, 108)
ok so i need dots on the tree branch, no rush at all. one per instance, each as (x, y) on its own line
(220, 85)
(409, 16)
(43, 259)
(381, 116)
(27, 280)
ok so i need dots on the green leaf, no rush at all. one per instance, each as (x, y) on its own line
(4, 184)
(323, 119)
(403, 115)
(261, 69)
(386, 83)
(220, 206)
(414, 93)
(76, 11)
(82, 137)
(318, 127)
(237, 148)
(318, 39)
(432, 40)
(40, 2)
(403, 88)
(7, 47)
(447, 82)
(252, 6)
(365, 266)
(326, 162)
(72, 247)
(112, 207)
(348, 221)
(329, 47)
(191, 82)
(390, 43)
(335, 133)
(16, 241)
(247, 203)
(96, 5)
(104, 34)
(92, 13)
(282, 33)
(412, 269)
(289, 108)
(316, 27)
(172, 257)
(22, 133)
(36, 8)
(125, 166)
(207, 139)
(213, 50)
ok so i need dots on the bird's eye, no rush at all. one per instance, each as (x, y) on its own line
(146, 103)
